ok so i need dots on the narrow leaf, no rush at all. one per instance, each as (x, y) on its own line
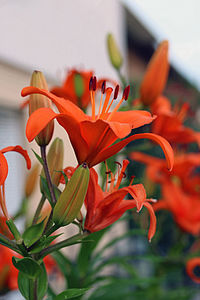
(71, 293)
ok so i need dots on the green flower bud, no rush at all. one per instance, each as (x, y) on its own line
(114, 52)
(71, 200)
(55, 161)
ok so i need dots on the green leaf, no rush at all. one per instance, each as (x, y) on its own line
(87, 249)
(71, 293)
(42, 284)
(28, 266)
(33, 233)
(43, 243)
(38, 157)
(65, 177)
(64, 264)
(45, 189)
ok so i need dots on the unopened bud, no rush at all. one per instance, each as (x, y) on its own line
(114, 52)
(55, 161)
(156, 75)
(71, 200)
(78, 84)
(37, 101)
(31, 180)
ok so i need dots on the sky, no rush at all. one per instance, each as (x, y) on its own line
(178, 21)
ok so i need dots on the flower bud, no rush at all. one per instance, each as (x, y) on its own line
(78, 85)
(31, 180)
(156, 75)
(114, 52)
(37, 101)
(71, 200)
(55, 161)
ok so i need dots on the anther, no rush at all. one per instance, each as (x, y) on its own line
(108, 172)
(126, 92)
(94, 84)
(118, 163)
(116, 91)
(91, 83)
(103, 87)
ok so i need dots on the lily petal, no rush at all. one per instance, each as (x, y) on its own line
(152, 227)
(3, 168)
(20, 150)
(63, 105)
(167, 149)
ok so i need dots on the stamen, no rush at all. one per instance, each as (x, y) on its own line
(118, 163)
(103, 87)
(91, 84)
(131, 180)
(116, 91)
(122, 173)
(126, 92)
(94, 84)
(112, 187)
(108, 93)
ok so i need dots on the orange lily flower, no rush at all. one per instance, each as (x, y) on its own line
(185, 207)
(190, 266)
(4, 172)
(104, 208)
(180, 193)
(156, 75)
(169, 122)
(183, 170)
(78, 95)
(92, 136)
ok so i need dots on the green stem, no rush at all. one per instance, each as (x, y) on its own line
(11, 225)
(122, 78)
(47, 174)
(68, 242)
(33, 289)
(38, 210)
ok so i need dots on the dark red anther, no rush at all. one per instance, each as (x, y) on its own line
(94, 85)
(118, 163)
(108, 172)
(91, 83)
(126, 92)
(103, 87)
(116, 91)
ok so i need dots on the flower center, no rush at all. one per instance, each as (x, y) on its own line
(112, 177)
(105, 104)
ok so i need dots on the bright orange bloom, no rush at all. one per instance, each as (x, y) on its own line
(104, 208)
(70, 91)
(4, 172)
(183, 170)
(169, 122)
(185, 207)
(8, 273)
(92, 136)
(156, 75)
(180, 188)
